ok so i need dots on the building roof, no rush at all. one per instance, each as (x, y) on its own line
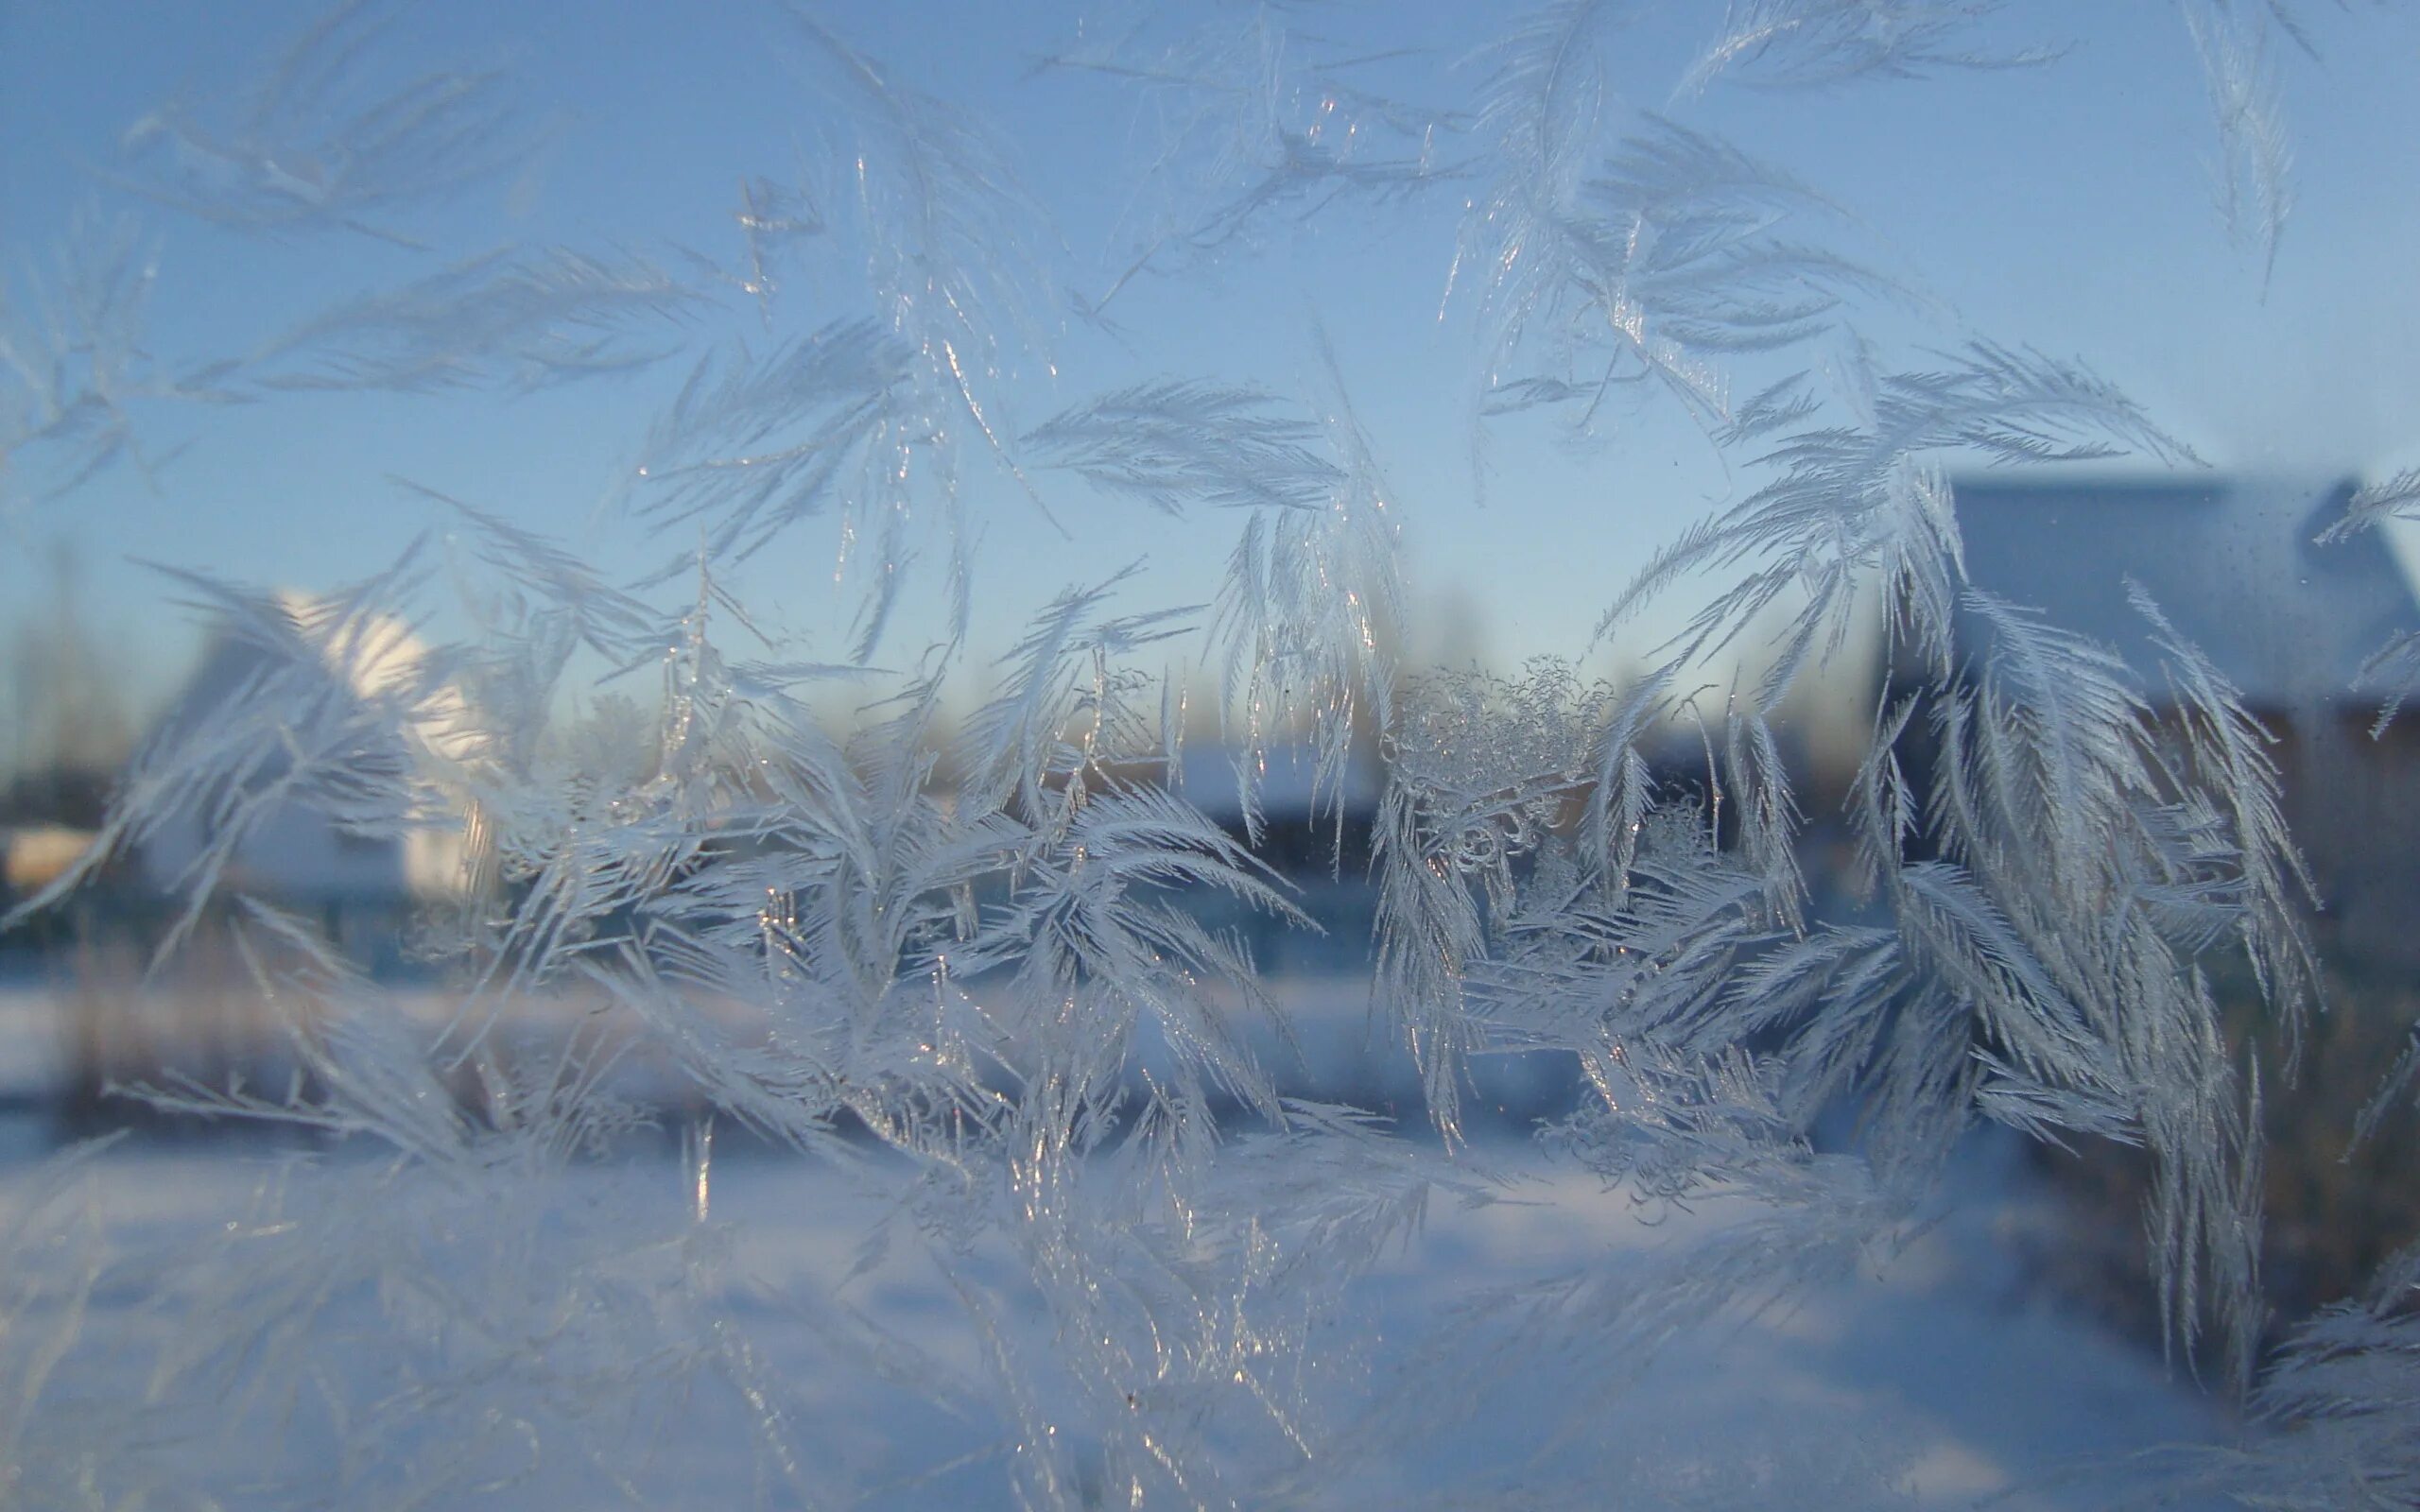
(2233, 562)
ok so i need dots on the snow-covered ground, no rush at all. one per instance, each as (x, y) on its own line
(1940, 1378)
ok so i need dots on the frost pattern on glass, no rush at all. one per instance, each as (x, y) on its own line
(990, 975)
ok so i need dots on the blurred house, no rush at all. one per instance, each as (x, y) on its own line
(2234, 565)
(364, 680)
(33, 856)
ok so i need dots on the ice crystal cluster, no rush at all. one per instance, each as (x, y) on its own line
(979, 965)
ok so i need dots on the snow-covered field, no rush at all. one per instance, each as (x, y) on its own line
(1936, 1377)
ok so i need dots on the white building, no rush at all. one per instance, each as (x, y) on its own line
(376, 744)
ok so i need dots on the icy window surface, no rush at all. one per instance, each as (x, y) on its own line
(1203, 755)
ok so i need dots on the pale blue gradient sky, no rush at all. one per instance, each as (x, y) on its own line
(2069, 207)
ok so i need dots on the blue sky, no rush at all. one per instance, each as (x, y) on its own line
(2068, 206)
